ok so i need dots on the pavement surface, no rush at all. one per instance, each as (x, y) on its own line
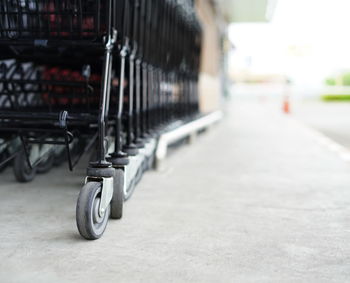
(330, 118)
(255, 199)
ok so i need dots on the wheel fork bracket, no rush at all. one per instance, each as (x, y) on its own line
(106, 193)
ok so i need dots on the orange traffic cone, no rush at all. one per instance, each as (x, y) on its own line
(286, 105)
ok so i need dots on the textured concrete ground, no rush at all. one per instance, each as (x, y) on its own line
(256, 199)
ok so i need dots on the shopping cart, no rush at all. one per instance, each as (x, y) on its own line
(25, 89)
(104, 74)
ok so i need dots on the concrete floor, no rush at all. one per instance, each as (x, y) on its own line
(256, 199)
(330, 118)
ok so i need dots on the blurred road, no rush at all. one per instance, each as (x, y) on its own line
(256, 199)
(330, 118)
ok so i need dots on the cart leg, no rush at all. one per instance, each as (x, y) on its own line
(137, 122)
(119, 157)
(93, 205)
(104, 104)
(130, 148)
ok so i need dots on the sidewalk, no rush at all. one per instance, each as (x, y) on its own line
(256, 199)
(331, 118)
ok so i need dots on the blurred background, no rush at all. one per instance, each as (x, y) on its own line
(292, 53)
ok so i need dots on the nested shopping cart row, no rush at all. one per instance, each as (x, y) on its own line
(100, 76)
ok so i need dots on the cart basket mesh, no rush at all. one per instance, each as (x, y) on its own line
(52, 19)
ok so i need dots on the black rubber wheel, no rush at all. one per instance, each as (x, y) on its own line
(130, 189)
(46, 164)
(3, 156)
(59, 157)
(139, 175)
(22, 170)
(118, 194)
(152, 162)
(90, 224)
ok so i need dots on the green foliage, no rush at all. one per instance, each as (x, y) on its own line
(330, 81)
(336, 97)
(346, 79)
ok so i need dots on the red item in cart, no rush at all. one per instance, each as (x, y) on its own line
(62, 88)
(66, 19)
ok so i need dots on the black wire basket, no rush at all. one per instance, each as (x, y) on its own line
(53, 19)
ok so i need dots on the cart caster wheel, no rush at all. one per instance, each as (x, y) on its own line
(3, 156)
(118, 195)
(151, 162)
(139, 175)
(89, 222)
(130, 189)
(59, 158)
(45, 165)
(22, 170)
(131, 150)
